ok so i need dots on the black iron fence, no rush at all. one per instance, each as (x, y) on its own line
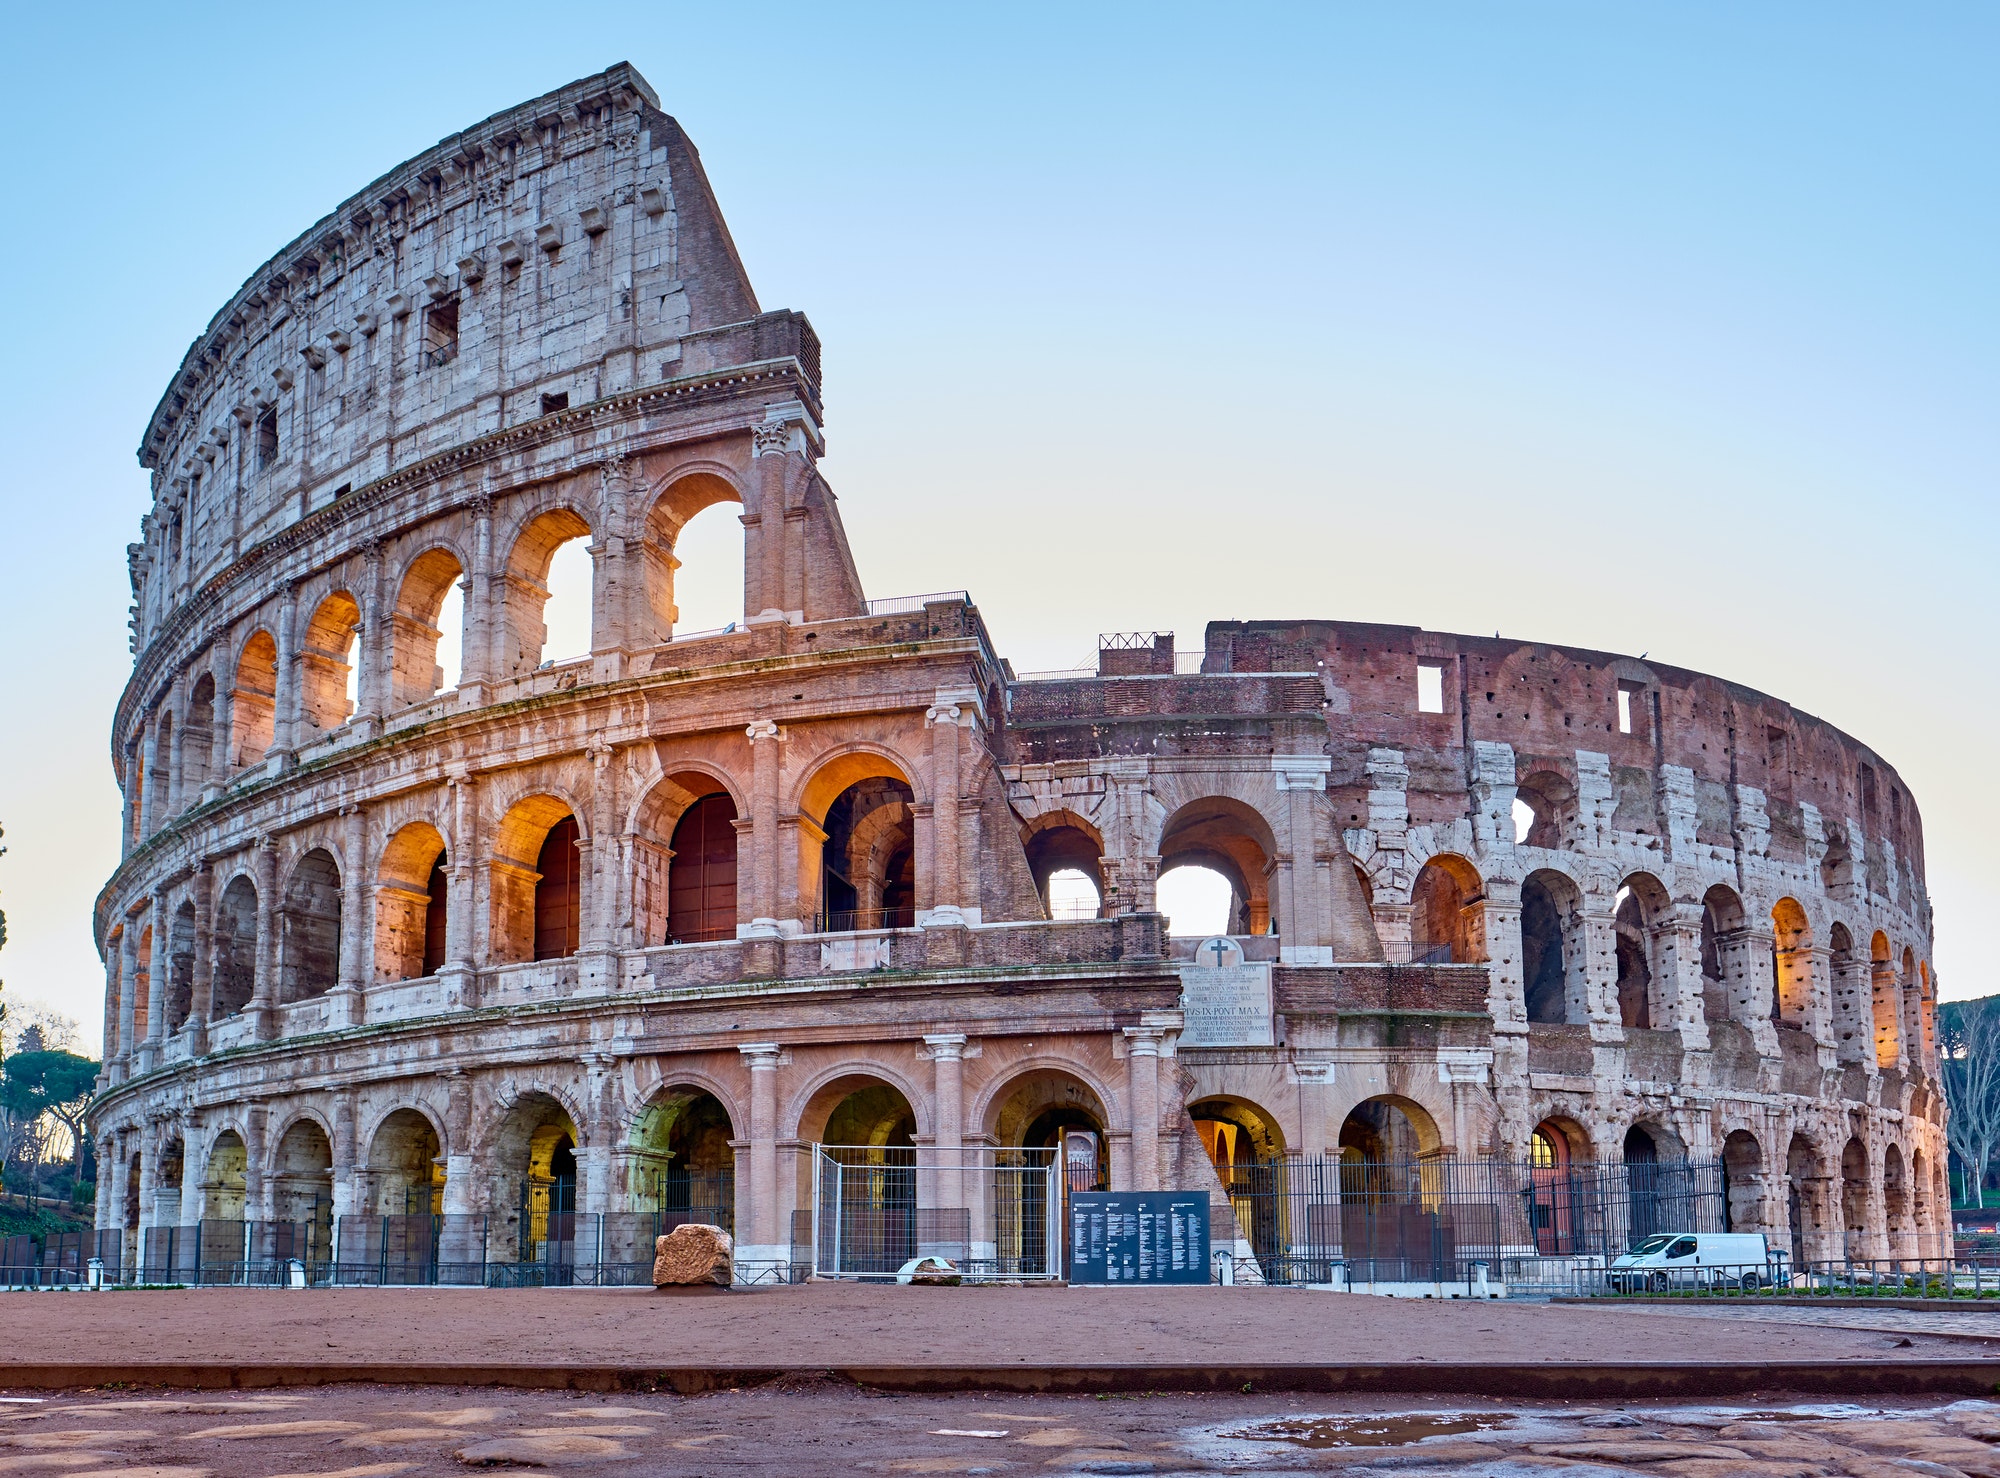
(1430, 1220)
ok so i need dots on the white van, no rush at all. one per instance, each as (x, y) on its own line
(1697, 1259)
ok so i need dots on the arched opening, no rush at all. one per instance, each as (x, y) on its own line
(1557, 1201)
(309, 929)
(1911, 1002)
(1743, 1183)
(1384, 1131)
(548, 594)
(223, 1184)
(1393, 1223)
(1246, 1146)
(1065, 857)
(1552, 949)
(427, 629)
(1645, 978)
(1882, 999)
(1895, 1204)
(1721, 941)
(301, 1192)
(173, 1171)
(1836, 868)
(1231, 840)
(1544, 809)
(142, 987)
(411, 903)
(160, 780)
(1927, 1011)
(253, 702)
(536, 882)
(1803, 1179)
(328, 662)
(406, 1168)
(1854, 1198)
(180, 967)
(1791, 963)
(868, 863)
(1447, 919)
(132, 1203)
(1923, 1225)
(1199, 903)
(534, 1162)
(701, 878)
(1044, 1111)
(695, 566)
(198, 738)
(868, 1176)
(1850, 1015)
(235, 948)
(1641, 1154)
(686, 1159)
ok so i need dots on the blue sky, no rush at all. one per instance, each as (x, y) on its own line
(1665, 329)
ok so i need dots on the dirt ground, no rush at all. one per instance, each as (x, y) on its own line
(826, 1428)
(845, 1326)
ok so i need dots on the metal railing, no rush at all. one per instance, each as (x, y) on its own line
(992, 1213)
(1884, 1278)
(853, 920)
(902, 605)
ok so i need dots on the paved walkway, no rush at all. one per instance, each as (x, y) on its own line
(361, 1331)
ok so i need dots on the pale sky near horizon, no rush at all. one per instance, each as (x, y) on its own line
(1648, 329)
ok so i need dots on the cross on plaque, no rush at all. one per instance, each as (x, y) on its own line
(1221, 948)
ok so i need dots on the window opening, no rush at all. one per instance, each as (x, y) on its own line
(267, 439)
(451, 636)
(1195, 900)
(566, 616)
(441, 333)
(701, 878)
(558, 893)
(1072, 895)
(556, 402)
(1524, 821)
(435, 916)
(1625, 691)
(1430, 688)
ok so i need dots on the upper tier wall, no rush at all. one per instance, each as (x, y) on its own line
(567, 248)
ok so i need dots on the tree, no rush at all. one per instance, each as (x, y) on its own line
(1969, 1044)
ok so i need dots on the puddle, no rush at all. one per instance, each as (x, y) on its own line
(1372, 1431)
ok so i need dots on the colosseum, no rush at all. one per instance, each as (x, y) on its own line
(492, 973)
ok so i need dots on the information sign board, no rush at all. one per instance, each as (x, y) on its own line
(1138, 1237)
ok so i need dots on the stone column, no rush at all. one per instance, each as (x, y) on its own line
(946, 719)
(593, 1156)
(255, 1182)
(1598, 929)
(346, 1159)
(764, 738)
(113, 952)
(176, 747)
(1304, 887)
(477, 662)
(599, 867)
(128, 1003)
(201, 1003)
(129, 810)
(459, 973)
(285, 703)
(1677, 949)
(947, 1051)
(158, 965)
(149, 778)
(371, 688)
(458, 1197)
(764, 526)
(220, 718)
(346, 1004)
(264, 985)
(1142, 1068)
(765, 1237)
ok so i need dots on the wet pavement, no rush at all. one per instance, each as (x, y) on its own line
(825, 1427)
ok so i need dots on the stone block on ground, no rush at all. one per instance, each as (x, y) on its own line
(693, 1256)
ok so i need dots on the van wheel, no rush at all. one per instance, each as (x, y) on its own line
(1657, 1282)
(1750, 1283)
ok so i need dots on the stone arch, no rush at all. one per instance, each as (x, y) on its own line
(1035, 1102)
(1743, 1183)
(327, 656)
(412, 903)
(838, 888)
(1721, 951)
(1855, 1193)
(1554, 969)
(681, 1144)
(676, 500)
(1791, 963)
(299, 1182)
(1882, 1002)
(1550, 801)
(1850, 1014)
(1897, 1222)
(1235, 1130)
(197, 737)
(524, 590)
(1063, 841)
(1447, 920)
(1805, 1211)
(531, 1156)
(253, 701)
(225, 1178)
(1642, 908)
(836, 769)
(536, 879)
(309, 929)
(414, 625)
(1389, 1128)
(406, 1163)
(1233, 839)
(234, 947)
(179, 965)
(706, 882)
(812, 1106)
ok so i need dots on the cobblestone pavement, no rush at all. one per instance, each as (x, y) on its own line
(824, 1428)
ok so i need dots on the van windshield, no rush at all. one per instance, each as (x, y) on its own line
(1654, 1244)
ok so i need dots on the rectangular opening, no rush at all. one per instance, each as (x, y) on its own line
(557, 402)
(1430, 687)
(1628, 703)
(441, 332)
(267, 439)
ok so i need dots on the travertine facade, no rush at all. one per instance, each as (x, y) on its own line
(788, 882)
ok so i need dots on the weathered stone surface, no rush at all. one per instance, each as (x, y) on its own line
(679, 883)
(690, 1255)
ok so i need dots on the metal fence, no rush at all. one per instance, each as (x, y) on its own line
(1431, 1220)
(993, 1213)
(1940, 1277)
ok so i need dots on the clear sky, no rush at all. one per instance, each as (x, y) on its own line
(1655, 329)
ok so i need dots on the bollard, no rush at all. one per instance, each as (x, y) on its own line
(96, 1280)
(295, 1273)
(1226, 1266)
(1479, 1288)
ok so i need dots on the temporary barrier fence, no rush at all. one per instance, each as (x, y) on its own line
(994, 1214)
